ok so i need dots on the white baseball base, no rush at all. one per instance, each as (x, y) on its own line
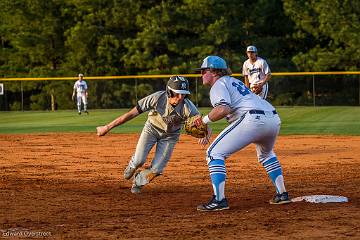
(321, 199)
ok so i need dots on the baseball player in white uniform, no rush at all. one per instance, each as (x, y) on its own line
(251, 120)
(81, 91)
(168, 111)
(256, 72)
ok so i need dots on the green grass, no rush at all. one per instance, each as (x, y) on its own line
(320, 120)
(295, 120)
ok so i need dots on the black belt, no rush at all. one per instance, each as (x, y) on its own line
(253, 111)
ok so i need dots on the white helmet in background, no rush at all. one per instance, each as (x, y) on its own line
(251, 49)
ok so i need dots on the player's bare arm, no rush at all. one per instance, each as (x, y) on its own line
(214, 115)
(218, 113)
(102, 130)
(123, 118)
(246, 81)
(265, 80)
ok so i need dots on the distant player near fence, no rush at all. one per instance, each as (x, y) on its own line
(81, 91)
(256, 73)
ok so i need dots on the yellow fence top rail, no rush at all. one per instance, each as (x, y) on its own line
(169, 75)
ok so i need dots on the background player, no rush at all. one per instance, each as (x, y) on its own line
(81, 90)
(168, 111)
(256, 72)
(252, 120)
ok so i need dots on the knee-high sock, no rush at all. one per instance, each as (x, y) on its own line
(79, 107)
(273, 168)
(218, 175)
(85, 107)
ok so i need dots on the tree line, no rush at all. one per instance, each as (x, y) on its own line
(129, 37)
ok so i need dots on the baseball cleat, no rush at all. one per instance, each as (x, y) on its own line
(79, 113)
(129, 172)
(214, 205)
(135, 189)
(87, 112)
(282, 198)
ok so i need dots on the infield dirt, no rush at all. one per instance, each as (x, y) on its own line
(71, 186)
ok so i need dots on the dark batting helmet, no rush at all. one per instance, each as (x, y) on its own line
(177, 84)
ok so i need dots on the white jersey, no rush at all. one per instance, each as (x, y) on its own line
(80, 87)
(257, 71)
(232, 92)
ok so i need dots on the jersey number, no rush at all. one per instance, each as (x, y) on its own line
(241, 88)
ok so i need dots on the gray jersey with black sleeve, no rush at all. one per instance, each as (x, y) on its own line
(163, 115)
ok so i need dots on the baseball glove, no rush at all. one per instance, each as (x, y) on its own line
(198, 131)
(256, 89)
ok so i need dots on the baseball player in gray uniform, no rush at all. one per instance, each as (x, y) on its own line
(81, 91)
(256, 72)
(167, 112)
(251, 120)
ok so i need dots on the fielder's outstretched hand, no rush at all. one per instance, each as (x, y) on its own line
(102, 130)
(205, 140)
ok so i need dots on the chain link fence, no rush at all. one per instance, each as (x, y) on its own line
(285, 89)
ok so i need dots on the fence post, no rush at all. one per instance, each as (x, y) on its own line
(22, 96)
(5, 99)
(196, 92)
(52, 96)
(313, 82)
(136, 95)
